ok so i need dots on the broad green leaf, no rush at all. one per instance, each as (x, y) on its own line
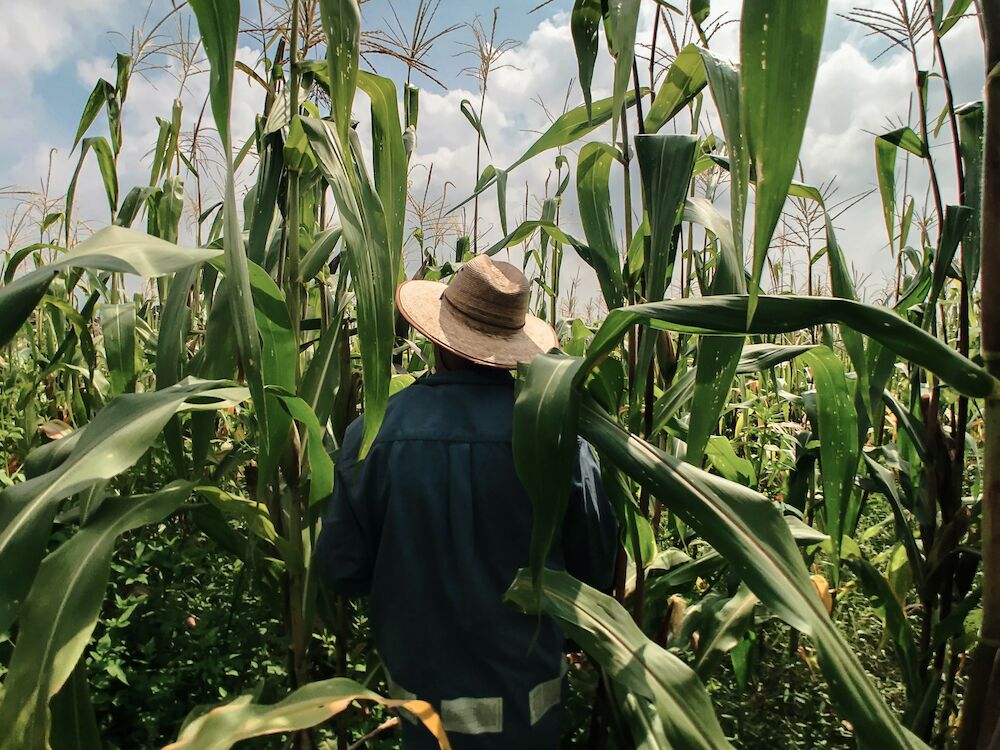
(312, 704)
(219, 25)
(874, 584)
(322, 378)
(388, 157)
(342, 27)
(723, 457)
(76, 727)
(117, 437)
(98, 98)
(685, 78)
(109, 176)
(622, 19)
(369, 258)
(970, 129)
(955, 13)
(60, 613)
(593, 192)
(885, 169)
(780, 42)
(724, 82)
(585, 24)
(956, 219)
(601, 626)
(118, 326)
(722, 628)
(320, 463)
(470, 114)
(906, 139)
(545, 446)
(171, 353)
(665, 164)
(567, 128)
(839, 449)
(322, 250)
(748, 531)
(722, 315)
(110, 249)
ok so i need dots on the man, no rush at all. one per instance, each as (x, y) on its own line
(433, 524)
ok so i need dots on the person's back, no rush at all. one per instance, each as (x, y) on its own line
(434, 524)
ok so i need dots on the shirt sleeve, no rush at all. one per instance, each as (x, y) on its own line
(590, 531)
(345, 552)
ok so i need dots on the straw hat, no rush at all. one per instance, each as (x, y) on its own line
(482, 315)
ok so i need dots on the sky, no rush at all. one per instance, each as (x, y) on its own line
(53, 51)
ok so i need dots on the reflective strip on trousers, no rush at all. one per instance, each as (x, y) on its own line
(543, 697)
(472, 715)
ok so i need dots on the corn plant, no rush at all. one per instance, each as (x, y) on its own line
(743, 435)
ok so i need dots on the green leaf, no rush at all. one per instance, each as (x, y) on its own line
(879, 591)
(665, 164)
(342, 27)
(731, 466)
(907, 139)
(370, 260)
(60, 613)
(76, 727)
(118, 326)
(323, 247)
(109, 176)
(593, 191)
(721, 629)
(685, 78)
(747, 529)
(102, 92)
(117, 437)
(885, 169)
(219, 25)
(722, 315)
(780, 42)
(312, 704)
(601, 626)
(955, 13)
(470, 114)
(110, 249)
(388, 157)
(956, 219)
(322, 378)
(839, 449)
(584, 24)
(622, 18)
(545, 446)
(970, 130)
(320, 463)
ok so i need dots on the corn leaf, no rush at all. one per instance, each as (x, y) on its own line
(747, 529)
(839, 447)
(684, 80)
(585, 24)
(369, 258)
(342, 27)
(780, 42)
(601, 626)
(721, 315)
(117, 437)
(61, 611)
(312, 704)
(593, 191)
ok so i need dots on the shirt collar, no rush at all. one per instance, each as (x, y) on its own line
(477, 376)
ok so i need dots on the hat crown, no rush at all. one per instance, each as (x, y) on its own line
(492, 293)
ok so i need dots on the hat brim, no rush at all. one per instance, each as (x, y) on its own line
(419, 301)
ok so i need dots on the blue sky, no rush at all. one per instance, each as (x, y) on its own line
(52, 51)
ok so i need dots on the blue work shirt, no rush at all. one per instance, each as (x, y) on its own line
(433, 525)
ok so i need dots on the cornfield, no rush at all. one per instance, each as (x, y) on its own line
(789, 469)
